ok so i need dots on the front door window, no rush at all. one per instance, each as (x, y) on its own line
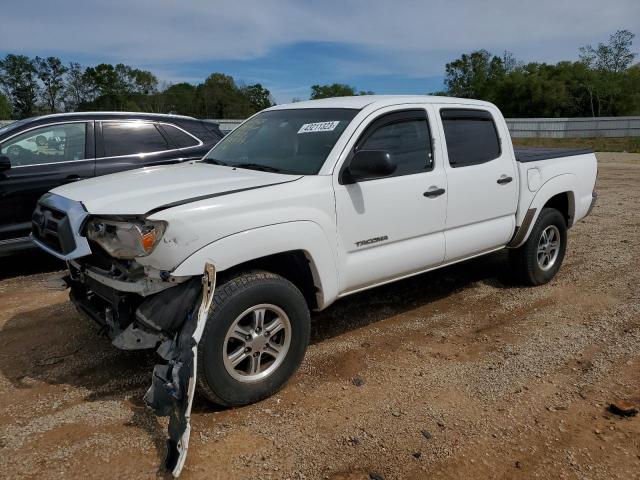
(50, 144)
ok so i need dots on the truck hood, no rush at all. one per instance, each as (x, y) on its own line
(145, 190)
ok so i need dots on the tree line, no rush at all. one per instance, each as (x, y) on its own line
(602, 82)
(34, 86)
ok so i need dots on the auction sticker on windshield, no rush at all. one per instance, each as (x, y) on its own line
(318, 127)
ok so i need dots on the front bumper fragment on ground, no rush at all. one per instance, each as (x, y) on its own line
(173, 385)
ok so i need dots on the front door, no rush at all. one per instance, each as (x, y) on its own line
(41, 159)
(392, 226)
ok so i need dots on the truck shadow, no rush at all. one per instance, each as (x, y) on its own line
(56, 346)
(29, 262)
(377, 304)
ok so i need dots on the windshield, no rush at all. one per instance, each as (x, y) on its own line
(294, 141)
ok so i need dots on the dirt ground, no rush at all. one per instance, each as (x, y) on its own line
(452, 374)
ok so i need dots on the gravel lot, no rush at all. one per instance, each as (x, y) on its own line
(452, 374)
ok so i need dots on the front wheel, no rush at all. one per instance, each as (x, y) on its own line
(538, 260)
(254, 340)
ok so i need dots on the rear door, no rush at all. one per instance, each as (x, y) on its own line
(42, 158)
(482, 181)
(128, 144)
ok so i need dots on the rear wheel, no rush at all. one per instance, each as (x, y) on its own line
(538, 260)
(255, 338)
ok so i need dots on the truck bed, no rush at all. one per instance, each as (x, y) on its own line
(533, 154)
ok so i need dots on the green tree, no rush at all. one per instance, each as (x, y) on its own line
(221, 98)
(614, 56)
(181, 98)
(531, 91)
(77, 90)
(5, 108)
(475, 75)
(19, 82)
(114, 87)
(51, 72)
(258, 96)
(609, 64)
(333, 90)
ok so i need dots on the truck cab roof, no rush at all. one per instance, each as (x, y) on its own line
(359, 102)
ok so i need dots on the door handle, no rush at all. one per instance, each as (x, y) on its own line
(436, 192)
(504, 180)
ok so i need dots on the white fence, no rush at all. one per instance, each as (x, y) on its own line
(574, 127)
(533, 127)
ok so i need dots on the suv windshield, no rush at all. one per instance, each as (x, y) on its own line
(295, 141)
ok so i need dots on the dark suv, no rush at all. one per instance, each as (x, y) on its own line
(38, 154)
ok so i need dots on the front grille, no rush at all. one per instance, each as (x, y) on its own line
(52, 227)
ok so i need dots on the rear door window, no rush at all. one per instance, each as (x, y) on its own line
(471, 135)
(131, 138)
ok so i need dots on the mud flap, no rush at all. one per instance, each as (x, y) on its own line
(173, 385)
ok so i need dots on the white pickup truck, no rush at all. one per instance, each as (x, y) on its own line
(218, 262)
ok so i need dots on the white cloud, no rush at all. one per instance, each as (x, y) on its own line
(412, 38)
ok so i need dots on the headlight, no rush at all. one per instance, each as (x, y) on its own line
(126, 239)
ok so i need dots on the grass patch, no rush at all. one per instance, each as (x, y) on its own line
(624, 144)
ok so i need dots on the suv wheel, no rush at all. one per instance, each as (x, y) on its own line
(538, 260)
(254, 340)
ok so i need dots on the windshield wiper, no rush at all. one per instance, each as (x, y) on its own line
(257, 166)
(213, 161)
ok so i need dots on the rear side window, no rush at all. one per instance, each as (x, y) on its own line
(179, 138)
(471, 135)
(131, 138)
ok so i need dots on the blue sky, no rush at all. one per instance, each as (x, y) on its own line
(387, 47)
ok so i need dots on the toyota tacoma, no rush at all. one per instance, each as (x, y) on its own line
(217, 263)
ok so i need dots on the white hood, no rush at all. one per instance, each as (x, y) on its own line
(138, 191)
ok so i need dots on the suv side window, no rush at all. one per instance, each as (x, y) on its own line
(471, 135)
(179, 138)
(131, 138)
(406, 136)
(50, 144)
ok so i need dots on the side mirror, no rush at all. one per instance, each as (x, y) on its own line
(367, 164)
(5, 163)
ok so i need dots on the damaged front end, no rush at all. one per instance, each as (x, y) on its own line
(171, 320)
(138, 307)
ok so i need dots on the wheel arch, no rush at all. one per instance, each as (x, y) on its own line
(298, 251)
(558, 192)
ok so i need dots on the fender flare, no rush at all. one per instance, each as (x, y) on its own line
(259, 242)
(564, 183)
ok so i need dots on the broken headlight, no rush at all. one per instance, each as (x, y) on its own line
(126, 239)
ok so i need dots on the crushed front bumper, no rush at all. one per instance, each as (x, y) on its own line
(171, 320)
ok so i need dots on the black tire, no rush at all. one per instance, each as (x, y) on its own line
(524, 260)
(230, 300)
